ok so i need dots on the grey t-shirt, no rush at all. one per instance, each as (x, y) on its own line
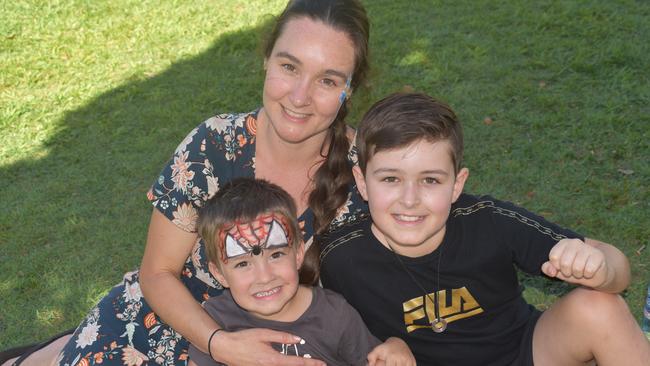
(331, 329)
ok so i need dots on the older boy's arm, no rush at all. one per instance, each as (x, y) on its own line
(618, 264)
(589, 263)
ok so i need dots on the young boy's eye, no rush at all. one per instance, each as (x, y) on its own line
(242, 264)
(389, 179)
(278, 254)
(431, 180)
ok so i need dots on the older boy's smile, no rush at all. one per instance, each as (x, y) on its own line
(410, 191)
(407, 218)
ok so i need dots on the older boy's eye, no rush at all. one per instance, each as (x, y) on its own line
(288, 67)
(389, 179)
(431, 180)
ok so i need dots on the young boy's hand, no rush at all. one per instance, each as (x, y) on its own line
(393, 352)
(574, 261)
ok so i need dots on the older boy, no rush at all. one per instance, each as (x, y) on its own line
(436, 267)
(254, 248)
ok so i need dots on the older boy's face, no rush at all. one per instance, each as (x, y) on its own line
(264, 283)
(410, 191)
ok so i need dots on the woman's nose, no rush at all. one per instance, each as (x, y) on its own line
(300, 95)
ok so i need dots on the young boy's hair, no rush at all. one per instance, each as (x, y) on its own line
(243, 200)
(401, 119)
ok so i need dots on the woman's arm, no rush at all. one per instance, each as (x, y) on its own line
(167, 249)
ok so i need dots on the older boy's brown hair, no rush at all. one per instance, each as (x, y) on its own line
(243, 200)
(401, 119)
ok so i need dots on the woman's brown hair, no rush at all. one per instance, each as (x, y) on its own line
(333, 177)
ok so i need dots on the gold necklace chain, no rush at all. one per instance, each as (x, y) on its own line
(438, 324)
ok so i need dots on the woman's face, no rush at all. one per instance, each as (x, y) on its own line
(306, 74)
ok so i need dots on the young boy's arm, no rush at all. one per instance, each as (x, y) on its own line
(392, 352)
(591, 263)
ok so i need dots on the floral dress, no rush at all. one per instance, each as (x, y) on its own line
(123, 329)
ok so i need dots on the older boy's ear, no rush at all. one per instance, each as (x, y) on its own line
(214, 270)
(461, 178)
(300, 254)
(360, 180)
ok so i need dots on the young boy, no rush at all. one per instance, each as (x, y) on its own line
(254, 248)
(436, 267)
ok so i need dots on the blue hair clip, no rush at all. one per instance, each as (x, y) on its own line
(344, 93)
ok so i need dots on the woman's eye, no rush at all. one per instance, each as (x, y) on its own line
(328, 83)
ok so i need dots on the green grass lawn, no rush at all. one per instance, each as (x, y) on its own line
(95, 95)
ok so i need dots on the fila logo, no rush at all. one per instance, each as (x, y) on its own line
(420, 311)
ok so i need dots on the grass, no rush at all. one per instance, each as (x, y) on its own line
(94, 97)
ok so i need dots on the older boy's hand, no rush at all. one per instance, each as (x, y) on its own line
(574, 261)
(393, 352)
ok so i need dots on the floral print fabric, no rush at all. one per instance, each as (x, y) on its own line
(122, 329)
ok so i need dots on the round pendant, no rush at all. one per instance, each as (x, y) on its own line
(439, 325)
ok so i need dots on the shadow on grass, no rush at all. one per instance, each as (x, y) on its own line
(75, 219)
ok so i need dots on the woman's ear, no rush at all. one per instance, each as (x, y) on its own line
(214, 270)
(360, 180)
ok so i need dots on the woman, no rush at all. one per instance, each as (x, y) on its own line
(315, 56)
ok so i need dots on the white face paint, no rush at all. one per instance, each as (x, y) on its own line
(265, 232)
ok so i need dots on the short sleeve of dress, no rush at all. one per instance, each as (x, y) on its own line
(205, 158)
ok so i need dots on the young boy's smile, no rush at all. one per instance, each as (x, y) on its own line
(410, 191)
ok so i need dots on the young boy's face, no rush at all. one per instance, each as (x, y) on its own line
(262, 281)
(410, 191)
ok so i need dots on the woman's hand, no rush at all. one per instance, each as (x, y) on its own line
(393, 352)
(252, 347)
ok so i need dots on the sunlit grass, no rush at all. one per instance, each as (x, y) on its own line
(94, 97)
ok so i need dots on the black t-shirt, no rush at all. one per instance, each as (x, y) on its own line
(478, 292)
